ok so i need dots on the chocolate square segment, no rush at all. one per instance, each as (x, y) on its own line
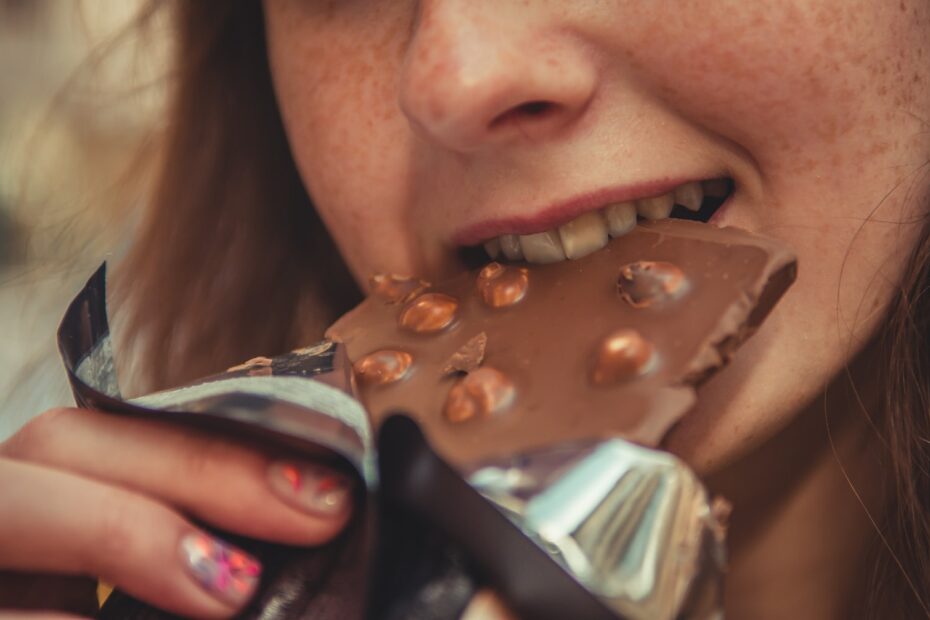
(610, 345)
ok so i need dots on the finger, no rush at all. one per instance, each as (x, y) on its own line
(55, 521)
(486, 605)
(217, 480)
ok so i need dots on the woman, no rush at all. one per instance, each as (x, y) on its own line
(420, 127)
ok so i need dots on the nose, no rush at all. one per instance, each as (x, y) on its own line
(475, 76)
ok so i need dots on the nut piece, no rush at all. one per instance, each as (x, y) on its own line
(255, 365)
(382, 367)
(621, 356)
(468, 357)
(396, 289)
(646, 283)
(502, 285)
(481, 393)
(431, 312)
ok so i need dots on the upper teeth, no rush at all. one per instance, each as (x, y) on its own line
(589, 231)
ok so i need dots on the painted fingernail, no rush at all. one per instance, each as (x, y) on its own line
(224, 571)
(310, 488)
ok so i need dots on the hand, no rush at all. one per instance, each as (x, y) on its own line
(88, 493)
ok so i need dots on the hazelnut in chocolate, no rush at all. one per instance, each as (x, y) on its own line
(430, 312)
(608, 345)
(621, 356)
(502, 285)
(479, 394)
(396, 289)
(646, 283)
(382, 367)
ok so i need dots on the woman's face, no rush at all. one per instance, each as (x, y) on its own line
(421, 126)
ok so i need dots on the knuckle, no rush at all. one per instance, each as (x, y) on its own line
(205, 458)
(38, 436)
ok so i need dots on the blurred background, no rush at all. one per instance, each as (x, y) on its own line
(81, 92)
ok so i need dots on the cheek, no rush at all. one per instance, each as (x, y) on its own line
(334, 75)
(831, 117)
(789, 81)
(824, 96)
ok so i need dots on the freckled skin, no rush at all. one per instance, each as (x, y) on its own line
(405, 121)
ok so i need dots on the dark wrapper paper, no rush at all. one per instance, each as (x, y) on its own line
(604, 529)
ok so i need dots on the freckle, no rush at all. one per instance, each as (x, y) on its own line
(879, 148)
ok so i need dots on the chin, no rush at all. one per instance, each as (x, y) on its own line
(745, 405)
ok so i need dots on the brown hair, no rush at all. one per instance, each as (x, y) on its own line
(901, 578)
(232, 261)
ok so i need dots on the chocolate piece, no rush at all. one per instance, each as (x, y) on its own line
(382, 367)
(468, 357)
(622, 355)
(482, 393)
(647, 283)
(396, 289)
(545, 344)
(502, 285)
(428, 313)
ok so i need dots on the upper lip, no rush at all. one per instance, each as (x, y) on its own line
(563, 211)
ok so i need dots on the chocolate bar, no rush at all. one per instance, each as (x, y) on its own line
(536, 383)
(516, 358)
(505, 407)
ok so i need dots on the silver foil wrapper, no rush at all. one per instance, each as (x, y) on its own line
(632, 525)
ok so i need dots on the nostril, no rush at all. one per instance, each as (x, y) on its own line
(530, 109)
(534, 108)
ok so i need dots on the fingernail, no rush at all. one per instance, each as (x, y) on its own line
(310, 488)
(224, 571)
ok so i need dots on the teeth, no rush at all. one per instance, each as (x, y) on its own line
(542, 248)
(493, 247)
(589, 232)
(690, 196)
(584, 234)
(656, 208)
(621, 218)
(510, 246)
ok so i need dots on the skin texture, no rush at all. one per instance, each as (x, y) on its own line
(85, 493)
(408, 124)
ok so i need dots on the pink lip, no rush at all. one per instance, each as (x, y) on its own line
(560, 213)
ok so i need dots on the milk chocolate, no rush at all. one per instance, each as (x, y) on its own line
(558, 338)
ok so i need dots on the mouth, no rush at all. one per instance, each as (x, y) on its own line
(587, 232)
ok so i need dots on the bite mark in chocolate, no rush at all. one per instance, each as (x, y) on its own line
(479, 394)
(428, 313)
(383, 367)
(621, 356)
(396, 289)
(502, 285)
(647, 283)
(469, 357)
